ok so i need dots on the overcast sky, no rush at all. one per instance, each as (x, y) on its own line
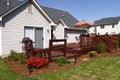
(90, 10)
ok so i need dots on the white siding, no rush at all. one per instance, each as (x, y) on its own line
(59, 32)
(0, 38)
(13, 30)
(72, 36)
(107, 28)
(92, 30)
(118, 27)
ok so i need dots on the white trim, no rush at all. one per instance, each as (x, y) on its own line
(37, 5)
(0, 39)
(34, 1)
(0, 18)
(63, 22)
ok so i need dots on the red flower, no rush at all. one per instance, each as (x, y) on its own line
(36, 61)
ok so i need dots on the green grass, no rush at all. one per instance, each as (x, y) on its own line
(98, 69)
(6, 73)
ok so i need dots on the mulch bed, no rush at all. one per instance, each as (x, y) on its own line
(52, 67)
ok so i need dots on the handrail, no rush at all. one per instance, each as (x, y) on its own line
(111, 45)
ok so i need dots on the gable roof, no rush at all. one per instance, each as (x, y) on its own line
(107, 21)
(56, 15)
(7, 5)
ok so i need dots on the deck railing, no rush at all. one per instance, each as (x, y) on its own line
(108, 40)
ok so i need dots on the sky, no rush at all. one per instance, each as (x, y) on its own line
(89, 10)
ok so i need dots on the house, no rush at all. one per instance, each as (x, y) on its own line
(19, 19)
(110, 25)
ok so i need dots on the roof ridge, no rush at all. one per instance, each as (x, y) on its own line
(55, 9)
(107, 20)
(57, 14)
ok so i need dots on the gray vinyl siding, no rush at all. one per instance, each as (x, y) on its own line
(13, 30)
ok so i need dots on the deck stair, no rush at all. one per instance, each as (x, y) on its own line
(111, 45)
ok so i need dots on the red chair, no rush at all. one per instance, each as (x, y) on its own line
(31, 51)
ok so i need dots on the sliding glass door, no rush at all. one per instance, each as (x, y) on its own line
(36, 34)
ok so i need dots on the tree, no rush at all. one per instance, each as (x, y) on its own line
(119, 40)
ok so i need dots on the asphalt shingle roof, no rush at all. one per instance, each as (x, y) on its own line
(56, 15)
(107, 21)
(5, 7)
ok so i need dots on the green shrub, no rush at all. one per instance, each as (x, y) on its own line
(101, 48)
(22, 59)
(17, 56)
(118, 40)
(61, 60)
(92, 54)
(14, 55)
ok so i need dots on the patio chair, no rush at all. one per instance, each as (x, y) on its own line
(31, 51)
(34, 56)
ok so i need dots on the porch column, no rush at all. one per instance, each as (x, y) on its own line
(52, 32)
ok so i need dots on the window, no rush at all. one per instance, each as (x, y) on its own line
(113, 26)
(102, 26)
(29, 8)
(113, 32)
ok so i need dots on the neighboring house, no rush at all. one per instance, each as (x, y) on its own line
(28, 19)
(110, 25)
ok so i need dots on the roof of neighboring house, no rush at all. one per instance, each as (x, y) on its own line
(7, 5)
(56, 15)
(83, 23)
(107, 21)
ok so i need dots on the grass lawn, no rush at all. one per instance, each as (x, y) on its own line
(107, 68)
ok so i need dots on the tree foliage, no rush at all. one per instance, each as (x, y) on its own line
(119, 40)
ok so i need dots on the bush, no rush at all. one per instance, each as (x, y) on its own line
(22, 59)
(101, 48)
(118, 40)
(92, 54)
(14, 55)
(61, 60)
(17, 56)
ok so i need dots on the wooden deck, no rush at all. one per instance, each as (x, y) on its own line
(73, 50)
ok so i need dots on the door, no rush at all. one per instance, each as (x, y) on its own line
(38, 37)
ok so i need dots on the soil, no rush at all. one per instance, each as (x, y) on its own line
(52, 67)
